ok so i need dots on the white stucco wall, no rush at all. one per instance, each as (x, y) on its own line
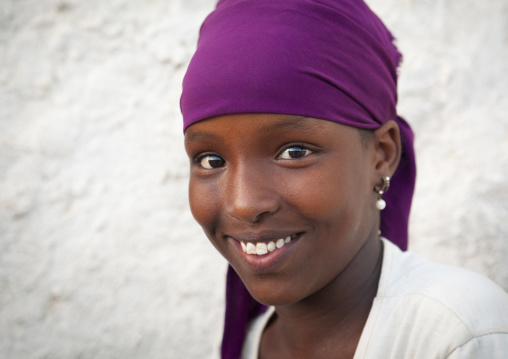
(99, 255)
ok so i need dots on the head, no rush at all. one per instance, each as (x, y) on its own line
(290, 121)
(257, 178)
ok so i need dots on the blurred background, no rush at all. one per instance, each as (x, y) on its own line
(99, 255)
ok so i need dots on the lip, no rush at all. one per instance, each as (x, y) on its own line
(271, 261)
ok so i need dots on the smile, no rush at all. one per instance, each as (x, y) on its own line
(262, 248)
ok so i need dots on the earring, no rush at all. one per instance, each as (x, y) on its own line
(380, 203)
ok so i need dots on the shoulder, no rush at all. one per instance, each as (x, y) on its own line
(255, 330)
(423, 307)
(466, 293)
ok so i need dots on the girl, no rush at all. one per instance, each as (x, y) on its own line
(300, 170)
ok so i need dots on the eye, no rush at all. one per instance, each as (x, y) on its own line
(294, 152)
(211, 161)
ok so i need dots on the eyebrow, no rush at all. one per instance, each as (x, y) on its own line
(197, 136)
(301, 123)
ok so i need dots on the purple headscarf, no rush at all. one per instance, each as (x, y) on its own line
(328, 59)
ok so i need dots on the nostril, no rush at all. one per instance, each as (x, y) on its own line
(249, 214)
(251, 209)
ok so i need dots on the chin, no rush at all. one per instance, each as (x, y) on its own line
(269, 291)
(274, 299)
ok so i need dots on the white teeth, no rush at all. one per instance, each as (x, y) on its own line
(261, 249)
(251, 248)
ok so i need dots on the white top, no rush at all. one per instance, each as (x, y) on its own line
(424, 310)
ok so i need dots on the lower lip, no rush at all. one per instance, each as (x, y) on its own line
(269, 262)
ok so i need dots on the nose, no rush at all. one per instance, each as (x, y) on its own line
(251, 194)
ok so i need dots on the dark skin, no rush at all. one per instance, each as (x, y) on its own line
(258, 177)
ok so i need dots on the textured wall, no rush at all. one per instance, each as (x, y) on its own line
(99, 256)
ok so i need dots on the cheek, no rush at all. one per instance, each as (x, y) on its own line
(317, 191)
(337, 196)
(203, 200)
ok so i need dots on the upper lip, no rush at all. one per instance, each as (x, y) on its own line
(263, 236)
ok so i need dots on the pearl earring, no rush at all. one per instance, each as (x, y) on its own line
(380, 203)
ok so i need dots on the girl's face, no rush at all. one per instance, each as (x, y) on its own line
(259, 181)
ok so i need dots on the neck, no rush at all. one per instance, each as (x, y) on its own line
(330, 322)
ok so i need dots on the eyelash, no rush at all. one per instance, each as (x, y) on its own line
(302, 150)
(199, 160)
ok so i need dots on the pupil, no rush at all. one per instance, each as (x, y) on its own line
(215, 161)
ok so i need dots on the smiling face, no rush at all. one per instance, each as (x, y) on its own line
(288, 201)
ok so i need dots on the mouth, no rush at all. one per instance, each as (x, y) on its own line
(263, 248)
(266, 252)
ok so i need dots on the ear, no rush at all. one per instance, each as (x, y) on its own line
(388, 149)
